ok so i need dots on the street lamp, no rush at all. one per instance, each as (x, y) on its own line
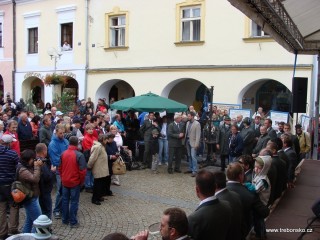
(54, 54)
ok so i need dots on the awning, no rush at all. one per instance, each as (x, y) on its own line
(294, 24)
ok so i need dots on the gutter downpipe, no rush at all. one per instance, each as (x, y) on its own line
(87, 49)
(316, 115)
(14, 51)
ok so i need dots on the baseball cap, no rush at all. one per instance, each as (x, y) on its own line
(227, 118)
(6, 138)
(47, 112)
(58, 113)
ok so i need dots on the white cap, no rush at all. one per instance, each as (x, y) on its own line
(6, 138)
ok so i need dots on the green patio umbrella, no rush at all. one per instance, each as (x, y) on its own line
(149, 102)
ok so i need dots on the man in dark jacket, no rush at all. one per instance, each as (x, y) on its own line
(271, 132)
(250, 202)
(145, 131)
(212, 218)
(222, 141)
(233, 199)
(175, 136)
(46, 180)
(248, 136)
(73, 171)
(292, 158)
(8, 162)
(262, 141)
(45, 133)
(24, 128)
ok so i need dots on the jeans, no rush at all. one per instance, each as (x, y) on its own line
(46, 204)
(193, 164)
(88, 182)
(163, 150)
(57, 206)
(33, 211)
(70, 204)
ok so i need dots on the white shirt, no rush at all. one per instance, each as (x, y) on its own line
(118, 140)
(221, 190)
(183, 237)
(207, 200)
(66, 47)
(164, 131)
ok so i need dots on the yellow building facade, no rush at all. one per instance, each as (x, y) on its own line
(178, 49)
(174, 48)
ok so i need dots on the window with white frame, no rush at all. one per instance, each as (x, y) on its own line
(66, 40)
(256, 30)
(1, 37)
(117, 31)
(190, 24)
(32, 40)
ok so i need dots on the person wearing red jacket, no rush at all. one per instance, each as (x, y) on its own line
(72, 171)
(12, 130)
(87, 143)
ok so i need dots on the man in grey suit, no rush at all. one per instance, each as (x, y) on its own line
(175, 135)
(212, 218)
(192, 141)
(146, 131)
(222, 193)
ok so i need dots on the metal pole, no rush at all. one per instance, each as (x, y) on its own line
(316, 115)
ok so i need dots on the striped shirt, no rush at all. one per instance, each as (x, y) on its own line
(8, 162)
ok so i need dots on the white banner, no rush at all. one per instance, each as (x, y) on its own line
(277, 117)
(233, 113)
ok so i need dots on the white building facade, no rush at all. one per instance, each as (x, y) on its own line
(42, 29)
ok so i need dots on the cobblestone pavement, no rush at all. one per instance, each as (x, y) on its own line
(138, 202)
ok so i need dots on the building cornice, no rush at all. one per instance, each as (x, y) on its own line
(21, 2)
(5, 2)
(32, 14)
(66, 8)
(279, 67)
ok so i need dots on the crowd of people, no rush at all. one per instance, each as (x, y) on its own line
(75, 150)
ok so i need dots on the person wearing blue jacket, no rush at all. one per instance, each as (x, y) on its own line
(56, 147)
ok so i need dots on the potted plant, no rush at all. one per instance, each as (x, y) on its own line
(55, 79)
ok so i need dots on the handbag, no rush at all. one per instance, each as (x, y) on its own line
(19, 191)
(119, 166)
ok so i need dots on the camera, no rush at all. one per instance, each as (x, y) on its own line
(42, 159)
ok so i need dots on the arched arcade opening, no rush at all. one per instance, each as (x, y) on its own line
(268, 94)
(72, 89)
(33, 91)
(114, 88)
(186, 90)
